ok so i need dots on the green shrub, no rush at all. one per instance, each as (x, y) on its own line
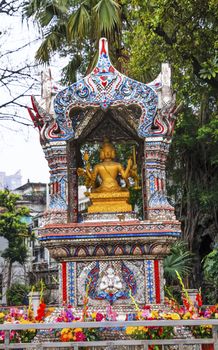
(17, 294)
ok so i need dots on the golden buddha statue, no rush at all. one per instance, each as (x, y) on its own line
(109, 196)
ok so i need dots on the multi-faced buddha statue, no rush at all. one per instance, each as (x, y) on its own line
(114, 196)
(108, 171)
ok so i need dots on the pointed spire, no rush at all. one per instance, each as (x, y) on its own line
(103, 47)
(103, 65)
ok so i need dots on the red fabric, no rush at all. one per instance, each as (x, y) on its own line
(157, 280)
(64, 282)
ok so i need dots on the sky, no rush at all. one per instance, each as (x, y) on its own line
(20, 148)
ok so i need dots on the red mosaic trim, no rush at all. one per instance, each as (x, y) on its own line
(102, 228)
(136, 223)
(64, 282)
(157, 281)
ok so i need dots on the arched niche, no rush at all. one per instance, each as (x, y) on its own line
(92, 125)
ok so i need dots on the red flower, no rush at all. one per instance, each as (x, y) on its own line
(199, 299)
(80, 336)
(186, 303)
(41, 312)
(99, 317)
(160, 331)
(42, 306)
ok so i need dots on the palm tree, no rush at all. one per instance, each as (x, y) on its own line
(74, 27)
(179, 259)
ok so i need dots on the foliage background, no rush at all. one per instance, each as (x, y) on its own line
(142, 34)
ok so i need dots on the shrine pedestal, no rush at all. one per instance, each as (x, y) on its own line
(133, 249)
(109, 202)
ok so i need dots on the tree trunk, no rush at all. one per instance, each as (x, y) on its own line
(9, 273)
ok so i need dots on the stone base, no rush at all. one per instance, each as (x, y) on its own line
(109, 202)
(161, 214)
(99, 217)
(54, 216)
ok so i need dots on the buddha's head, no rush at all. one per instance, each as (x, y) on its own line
(107, 151)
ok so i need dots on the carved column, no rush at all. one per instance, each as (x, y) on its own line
(144, 190)
(56, 155)
(156, 151)
(154, 281)
(72, 182)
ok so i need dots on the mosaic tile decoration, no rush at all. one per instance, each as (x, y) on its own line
(132, 279)
(71, 280)
(105, 87)
(141, 276)
(150, 282)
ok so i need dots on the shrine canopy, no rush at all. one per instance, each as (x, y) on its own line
(145, 109)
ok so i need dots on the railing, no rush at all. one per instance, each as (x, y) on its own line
(180, 342)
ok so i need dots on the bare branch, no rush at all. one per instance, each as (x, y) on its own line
(19, 79)
(9, 7)
(19, 48)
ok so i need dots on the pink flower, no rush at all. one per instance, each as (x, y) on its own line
(2, 335)
(195, 316)
(146, 313)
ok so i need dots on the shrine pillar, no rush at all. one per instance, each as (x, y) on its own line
(157, 206)
(56, 155)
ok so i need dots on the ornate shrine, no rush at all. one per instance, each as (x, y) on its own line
(110, 254)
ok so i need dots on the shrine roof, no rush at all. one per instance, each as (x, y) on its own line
(106, 88)
(106, 100)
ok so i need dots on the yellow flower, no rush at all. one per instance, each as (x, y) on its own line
(175, 316)
(154, 314)
(94, 314)
(216, 315)
(207, 326)
(65, 330)
(139, 314)
(32, 330)
(2, 315)
(23, 321)
(186, 316)
(145, 329)
(51, 309)
(78, 330)
(130, 330)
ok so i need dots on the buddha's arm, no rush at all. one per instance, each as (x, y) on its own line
(94, 175)
(125, 173)
(88, 172)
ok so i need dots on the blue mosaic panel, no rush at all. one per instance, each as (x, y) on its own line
(150, 284)
(71, 280)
